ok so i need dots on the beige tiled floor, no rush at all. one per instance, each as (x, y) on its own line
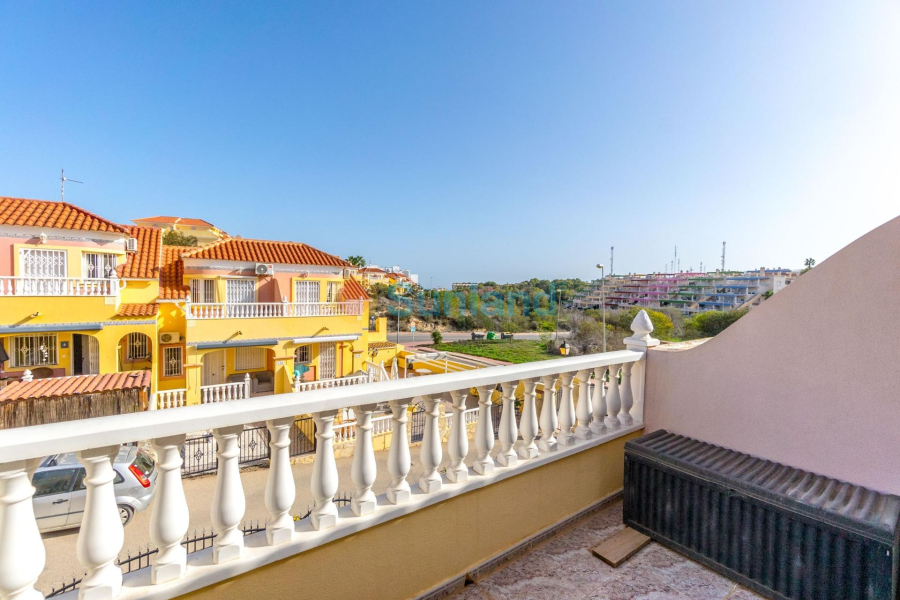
(563, 568)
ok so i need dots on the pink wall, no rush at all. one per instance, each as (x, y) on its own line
(810, 378)
(8, 255)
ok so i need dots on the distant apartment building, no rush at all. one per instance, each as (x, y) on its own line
(372, 274)
(688, 292)
(462, 286)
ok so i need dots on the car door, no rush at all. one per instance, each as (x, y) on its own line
(52, 494)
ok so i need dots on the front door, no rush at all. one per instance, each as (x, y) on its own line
(214, 368)
(327, 360)
(85, 355)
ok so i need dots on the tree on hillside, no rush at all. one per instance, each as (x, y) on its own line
(356, 261)
(809, 263)
(711, 322)
(176, 238)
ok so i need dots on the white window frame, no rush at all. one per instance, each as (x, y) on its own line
(203, 290)
(331, 291)
(303, 354)
(307, 287)
(138, 346)
(34, 350)
(249, 358)
(42, 263)
(240, 291)
(175, 353)
(91, 262)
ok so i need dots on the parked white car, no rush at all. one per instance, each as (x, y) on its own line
(60, 492)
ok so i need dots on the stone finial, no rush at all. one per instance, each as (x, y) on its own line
(642, 326)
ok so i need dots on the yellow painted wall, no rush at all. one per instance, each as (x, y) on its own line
(439, 542)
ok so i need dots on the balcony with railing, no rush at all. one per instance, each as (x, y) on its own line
(591, 404)
(262, 310)
(59, 286)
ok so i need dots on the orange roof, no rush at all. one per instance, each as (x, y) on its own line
(55, 215)
(138, 310)
(179, 220)
(371, 270)
(171, 273)
(353, 290)
(143, 264)
(78, 384)
(397, 276)
(379, 345)
(264, 251)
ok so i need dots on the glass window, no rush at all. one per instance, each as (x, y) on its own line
(33, 350)
(172, 361)
(138, 346)
(303, 354)
(332, 291)
(203, 290)
(56, 481)
(79, 480)
(42, 263)
(98, 266)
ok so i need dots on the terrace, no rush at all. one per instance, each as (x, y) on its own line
(514, 514)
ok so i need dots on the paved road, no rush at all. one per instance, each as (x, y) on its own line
(424, 337)
(62, 562)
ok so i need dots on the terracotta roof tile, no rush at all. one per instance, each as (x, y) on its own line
(171, 273)
(138, 310)
(55, 215)
(143, 264)
(179, 220)
(352, 290)
(379, 345)
(78, 384)
(264, 251)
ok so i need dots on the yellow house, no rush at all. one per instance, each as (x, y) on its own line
(204, 231)
(77, 292)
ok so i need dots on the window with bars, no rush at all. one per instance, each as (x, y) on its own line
(203, 290)
(303, 354)
(306, 291)
(33, 350)
(331, 292)
(138, 346)
(98, 266)
(240, 291)
(34, 262)
(172, 361)
(246, 359)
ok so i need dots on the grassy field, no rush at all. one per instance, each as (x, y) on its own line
(514, 351)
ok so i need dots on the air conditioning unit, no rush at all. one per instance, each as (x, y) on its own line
(130, 245)
(169, 337)
(264, 269)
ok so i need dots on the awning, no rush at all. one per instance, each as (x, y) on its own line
(46, 328)
(236, 344)
(316, 339)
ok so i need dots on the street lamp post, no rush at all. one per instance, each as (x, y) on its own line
(603, 302)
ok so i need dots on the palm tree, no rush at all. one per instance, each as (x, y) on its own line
(356, 261)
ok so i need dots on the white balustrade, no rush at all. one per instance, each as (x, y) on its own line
(262, 310)
(398, 455)
(324, 482)
(58, 286)
(169, 399)
(169, 519)
(599, 401)
(280, 489)
(228, 503)
(322, 384)
(101, 535)
(364, 469)
(549, 421)
(566, 414)
(97, 443)
(583, 410)
(508, 431)
(528, 425)
(22, 554)
(458, 444)
(224, 392)
(484, 432)
(430, 452)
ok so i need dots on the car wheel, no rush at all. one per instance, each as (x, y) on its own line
(125, 513)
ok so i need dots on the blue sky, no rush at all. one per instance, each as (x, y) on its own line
(468, 140)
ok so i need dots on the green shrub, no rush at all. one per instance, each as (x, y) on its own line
(662, 324)
(436, 337)
(711, 322)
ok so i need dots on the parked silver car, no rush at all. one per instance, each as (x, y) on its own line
(60, 492)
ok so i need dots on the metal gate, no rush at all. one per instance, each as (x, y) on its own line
(417, 423)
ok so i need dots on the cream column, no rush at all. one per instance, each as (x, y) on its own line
(363, 470)
(280, 488)
(549, 421)
(509, 431)
(398, 455)
(458, 444)
(324, 483)
(228, 503)
(599, 402)
(22, 555)
(169, 518)
(612, 399)
(528, 425)
(566, 409)
(430, 452)
(583, 410)
(484, 432)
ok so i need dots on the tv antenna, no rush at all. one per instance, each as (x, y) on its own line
(62, 187)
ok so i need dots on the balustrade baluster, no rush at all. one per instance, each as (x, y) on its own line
(484, 432)
(101, 535)
(509, 431)
(584, 410)
(547, 443)
(228, 503)
(398, 455)
(528, 425)
(612, 398)
(169, 519)
(430, 452)
(364, 469)
(599, 401)
(625, 396)
(280, 490)
(566, 414)
(325, 475)
(22, 554)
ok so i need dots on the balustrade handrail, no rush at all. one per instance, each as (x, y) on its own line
(58, 286)
(42, 440)
(255, 310)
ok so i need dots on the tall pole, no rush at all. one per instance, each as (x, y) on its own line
(723, 257)
(611, 270)
(603, 301)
